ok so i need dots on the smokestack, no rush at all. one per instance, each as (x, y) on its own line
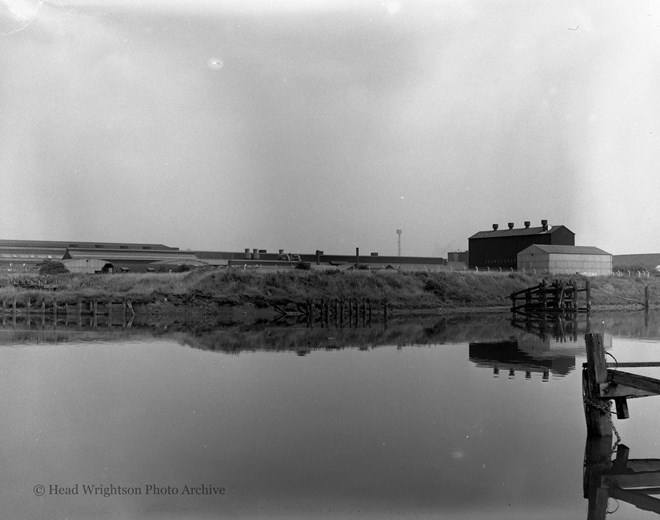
(544, 225)
(527, 224)
(495, 226)
(510, 225)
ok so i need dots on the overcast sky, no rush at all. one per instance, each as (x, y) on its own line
(329, 124)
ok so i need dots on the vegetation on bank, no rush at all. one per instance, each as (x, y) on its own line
(403, 289)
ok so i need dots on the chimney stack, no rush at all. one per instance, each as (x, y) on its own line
(495, 226)
(510, 225)
(544, 224)
(527, 224)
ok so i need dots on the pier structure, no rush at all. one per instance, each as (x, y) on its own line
(548, 301)
(337, 312)
(114, 311)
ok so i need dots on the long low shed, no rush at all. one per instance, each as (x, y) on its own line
(556, 259)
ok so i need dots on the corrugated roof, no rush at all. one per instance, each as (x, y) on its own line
(117, 255)
(567, 250)
(518, 232)
(60, 244)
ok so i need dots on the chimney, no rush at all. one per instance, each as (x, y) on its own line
(495, 226)
(510, 225)
(527, 224)
(544, 225)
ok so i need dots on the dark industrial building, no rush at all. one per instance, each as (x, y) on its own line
(498, 248)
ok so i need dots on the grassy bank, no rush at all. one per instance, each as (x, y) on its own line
(403, 290)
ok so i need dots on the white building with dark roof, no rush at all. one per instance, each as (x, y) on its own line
(559, 259)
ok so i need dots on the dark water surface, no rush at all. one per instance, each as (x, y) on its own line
(469, 419)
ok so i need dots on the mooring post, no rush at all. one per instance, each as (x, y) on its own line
(594, 375)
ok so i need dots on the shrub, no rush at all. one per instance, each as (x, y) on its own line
(52, 267)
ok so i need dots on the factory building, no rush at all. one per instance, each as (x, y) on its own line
(553, 259)
(499, 248)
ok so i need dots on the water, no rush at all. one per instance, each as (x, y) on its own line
(323, 423)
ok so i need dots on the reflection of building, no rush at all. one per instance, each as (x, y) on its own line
(499, 248)
(508, 356)
(555, 259)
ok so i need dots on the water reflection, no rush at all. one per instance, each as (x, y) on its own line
(512, 357)
(365, 422)
(609, 482)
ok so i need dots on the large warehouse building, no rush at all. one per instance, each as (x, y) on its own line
(555, 259)
(498, 248)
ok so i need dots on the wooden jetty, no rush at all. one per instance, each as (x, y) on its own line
(560, 298)
(603, 382)
(119, 312)
(338, 312)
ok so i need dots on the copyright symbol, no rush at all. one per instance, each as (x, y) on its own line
(39, 490)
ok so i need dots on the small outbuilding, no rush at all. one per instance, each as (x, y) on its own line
(558, 259)
(88, 265)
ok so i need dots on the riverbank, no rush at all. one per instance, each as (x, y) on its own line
(209, 291)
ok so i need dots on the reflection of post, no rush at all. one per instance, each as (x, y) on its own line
(624, 479)
(597, 458)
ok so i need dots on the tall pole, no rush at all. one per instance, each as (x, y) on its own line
(398, 232)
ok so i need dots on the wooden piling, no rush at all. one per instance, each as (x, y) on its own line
(594, 377)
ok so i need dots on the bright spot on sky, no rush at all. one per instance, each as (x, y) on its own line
(23, 10)
(392, 7)
(215, 63)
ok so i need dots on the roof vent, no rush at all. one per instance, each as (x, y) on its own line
(510, 225)
(495, 226)
(527, 224)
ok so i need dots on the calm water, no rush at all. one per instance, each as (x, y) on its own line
(471, 419)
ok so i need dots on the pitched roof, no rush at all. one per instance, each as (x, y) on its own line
(567, 250)
(496, 233)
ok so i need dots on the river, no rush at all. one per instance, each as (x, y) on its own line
(436, 418)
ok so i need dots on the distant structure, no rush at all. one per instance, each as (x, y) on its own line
(499, 248)
(17, 256)
(458, 257)
(398, 241)
(649, 261)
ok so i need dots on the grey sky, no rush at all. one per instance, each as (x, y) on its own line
(328, 124)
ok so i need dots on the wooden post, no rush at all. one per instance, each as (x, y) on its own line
(646, 297)
(587, 288)
(593, 376)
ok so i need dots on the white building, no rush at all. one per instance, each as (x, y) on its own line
(555, 259)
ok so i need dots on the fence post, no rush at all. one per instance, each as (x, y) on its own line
(593, 376)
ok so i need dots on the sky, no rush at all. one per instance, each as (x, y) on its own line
(329, 124)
